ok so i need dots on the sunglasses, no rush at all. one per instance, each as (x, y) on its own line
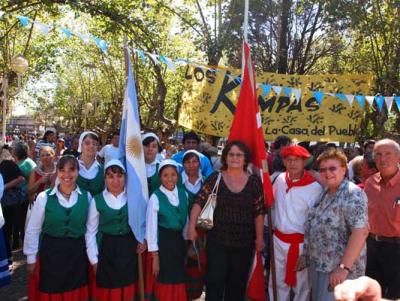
(330, 169)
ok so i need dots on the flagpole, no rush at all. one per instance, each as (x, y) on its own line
(139, 255)
(264, 170)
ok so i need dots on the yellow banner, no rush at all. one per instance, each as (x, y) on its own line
(210, 98)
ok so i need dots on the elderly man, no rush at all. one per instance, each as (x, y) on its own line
(295, 194)
(383, 244)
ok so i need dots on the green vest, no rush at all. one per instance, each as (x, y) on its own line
(154, 182)
(95, 185)
(65, 222)
(169, 216)
(111, 221)
(191, 195)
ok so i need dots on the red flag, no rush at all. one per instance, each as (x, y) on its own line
(246, 125)
(256, 285)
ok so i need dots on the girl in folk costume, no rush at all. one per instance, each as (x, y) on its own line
(5, 277)
(111, 245)
(192, 179)
(55, 239)
(151, 148)
(91, 177)
(166, 223)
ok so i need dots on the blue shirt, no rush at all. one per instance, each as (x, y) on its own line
(205, 164)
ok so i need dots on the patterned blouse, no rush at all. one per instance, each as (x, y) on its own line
(329, 225)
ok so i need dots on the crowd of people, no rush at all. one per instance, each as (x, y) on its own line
(335, 217)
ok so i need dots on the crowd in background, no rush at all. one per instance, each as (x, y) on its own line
(336, 216)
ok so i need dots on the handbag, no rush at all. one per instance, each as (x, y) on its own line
(206, 218)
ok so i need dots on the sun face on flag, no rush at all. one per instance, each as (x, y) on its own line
(134, 146)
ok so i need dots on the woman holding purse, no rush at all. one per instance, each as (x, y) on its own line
(238, 225)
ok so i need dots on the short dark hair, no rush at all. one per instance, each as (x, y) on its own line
(369, 142)
(92, 136)
(243, 147)
(149, 140)
(281, 141)
(190, 156)
(47, 134)
(21, 150)
(67, 160)
(115, 133)
(190, 136)
(115, 169)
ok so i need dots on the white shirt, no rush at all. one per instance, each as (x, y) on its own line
(35, 222)
(1, 187)
(151, 168)
(92, 224)
(291, 208)
(152, 217)
(88, 173)
(109, 152)
(193, 188)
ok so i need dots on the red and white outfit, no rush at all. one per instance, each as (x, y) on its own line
(293, 201)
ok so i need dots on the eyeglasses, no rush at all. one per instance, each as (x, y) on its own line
(237, 155)
(330, 169)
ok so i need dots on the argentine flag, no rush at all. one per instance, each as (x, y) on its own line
(130, 147)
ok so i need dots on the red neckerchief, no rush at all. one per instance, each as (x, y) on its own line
(305, 180)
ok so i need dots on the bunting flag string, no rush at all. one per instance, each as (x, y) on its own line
(172, 65)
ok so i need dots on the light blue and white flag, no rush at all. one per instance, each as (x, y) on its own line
(130, 147)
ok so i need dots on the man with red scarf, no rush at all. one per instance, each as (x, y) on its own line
(295, 193)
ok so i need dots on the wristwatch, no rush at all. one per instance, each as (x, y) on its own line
(343, 267)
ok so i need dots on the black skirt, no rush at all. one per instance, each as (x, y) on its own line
(172, 254)
(118, 261)
(63, 264)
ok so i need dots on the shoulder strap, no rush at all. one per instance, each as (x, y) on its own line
(216, 186)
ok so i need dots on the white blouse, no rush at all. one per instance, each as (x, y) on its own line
(152, 217)
(88, 173)
(151, 168)
(92, 224)
(193, 188)
(35, 222)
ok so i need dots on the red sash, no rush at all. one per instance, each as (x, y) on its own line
(294, 239)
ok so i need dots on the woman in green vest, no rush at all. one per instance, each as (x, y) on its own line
(167, 215)
(151, 148)
(55, 239)
(91, 177)
(111, 246)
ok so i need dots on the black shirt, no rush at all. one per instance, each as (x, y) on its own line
(9, 170)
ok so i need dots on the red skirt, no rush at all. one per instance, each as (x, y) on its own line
(155, 291)
(34, 294)
(126, 293)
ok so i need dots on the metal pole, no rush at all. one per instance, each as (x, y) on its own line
(4, 89)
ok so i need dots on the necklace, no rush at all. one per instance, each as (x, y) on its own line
(66, 195)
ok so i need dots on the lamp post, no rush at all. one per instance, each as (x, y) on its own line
(19, 65)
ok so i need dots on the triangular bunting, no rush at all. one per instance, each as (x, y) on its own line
(370, 100)
(397, 101)
(350, 99)
(389, 102)
(297, 94)
(379, 102)
(24, 20)
(167, 62)
(83, 37)
(318, 96)
(141, 55)
(360, 99)
(154, 57)
(43, 28)
(277, 89)
(341, 96)
(287, 91)
(266, 89)
(66, 31)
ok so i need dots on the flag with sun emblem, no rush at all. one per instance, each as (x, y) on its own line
(130, 147)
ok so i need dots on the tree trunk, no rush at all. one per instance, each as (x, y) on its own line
(282, 56)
